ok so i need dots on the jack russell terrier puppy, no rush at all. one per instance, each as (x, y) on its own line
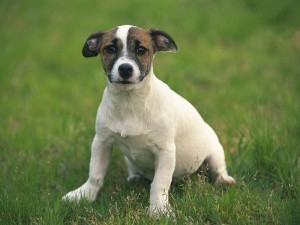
(161, 135)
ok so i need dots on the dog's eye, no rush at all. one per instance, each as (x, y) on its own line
(141, 50)
(111, 49)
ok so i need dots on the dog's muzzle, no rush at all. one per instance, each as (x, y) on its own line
(124, 71)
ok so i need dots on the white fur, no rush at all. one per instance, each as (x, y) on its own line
(160, 134)
(122, 34)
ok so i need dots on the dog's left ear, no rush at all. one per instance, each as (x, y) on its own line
(92, 44)
(162, 41)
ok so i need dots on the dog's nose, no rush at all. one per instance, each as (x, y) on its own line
(125, 70)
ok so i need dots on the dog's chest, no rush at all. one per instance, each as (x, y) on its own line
(127, 115)
(139, 149)
(131, 121)
(128, 127)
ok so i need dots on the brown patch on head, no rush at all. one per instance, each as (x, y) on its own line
(94, 42)
(140, 49)
(140, 37)
(109, 49)
(107, 38)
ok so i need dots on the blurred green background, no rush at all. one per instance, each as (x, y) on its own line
(239, 55)
(238, 64)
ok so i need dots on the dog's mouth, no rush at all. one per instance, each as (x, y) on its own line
(124, 82)
(119, 81)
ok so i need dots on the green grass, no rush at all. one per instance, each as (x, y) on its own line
(238, 64)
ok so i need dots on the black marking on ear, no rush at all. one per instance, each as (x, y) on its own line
(92, 44)
(162, 41)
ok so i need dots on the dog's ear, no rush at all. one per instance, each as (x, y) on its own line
(162, 41)
(92, 44)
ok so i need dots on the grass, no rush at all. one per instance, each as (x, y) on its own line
(238, 64)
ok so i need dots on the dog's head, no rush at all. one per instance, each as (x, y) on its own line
(127, 52)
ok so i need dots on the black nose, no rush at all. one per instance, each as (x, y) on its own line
(125, 70)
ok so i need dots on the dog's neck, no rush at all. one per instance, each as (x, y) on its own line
(126, 109)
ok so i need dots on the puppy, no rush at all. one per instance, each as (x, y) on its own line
(161, 135)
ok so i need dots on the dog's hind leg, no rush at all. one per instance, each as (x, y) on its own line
(217, 165)
(132, 171)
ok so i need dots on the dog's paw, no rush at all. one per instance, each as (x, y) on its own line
(225, 180)
(86, 191)
(156, 211)
(134, 177)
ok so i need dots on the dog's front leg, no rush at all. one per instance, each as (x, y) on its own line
(100, 157)
(165, 166)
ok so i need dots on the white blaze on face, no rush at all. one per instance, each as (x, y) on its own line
(122, 34)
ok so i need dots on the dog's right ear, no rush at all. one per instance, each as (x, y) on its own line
(92, 44)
